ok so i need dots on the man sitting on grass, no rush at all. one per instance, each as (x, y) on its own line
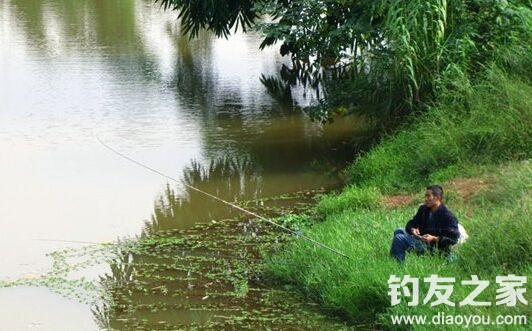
(433, 227)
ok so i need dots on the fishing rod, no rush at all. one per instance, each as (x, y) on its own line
(315, 242)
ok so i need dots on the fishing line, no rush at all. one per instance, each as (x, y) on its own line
(221, 200)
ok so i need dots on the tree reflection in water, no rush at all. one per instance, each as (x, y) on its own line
(229, 178)
(176, 275)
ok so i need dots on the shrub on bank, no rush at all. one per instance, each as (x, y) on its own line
(492, 127)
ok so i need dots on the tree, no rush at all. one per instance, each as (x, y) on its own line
(219, 16)
(382, 58)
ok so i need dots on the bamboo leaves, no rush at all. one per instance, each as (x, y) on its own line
(217, 16)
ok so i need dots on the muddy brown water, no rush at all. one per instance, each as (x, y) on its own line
(196, 110)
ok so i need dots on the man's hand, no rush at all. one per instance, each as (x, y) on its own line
(415, 232)
(430, 238)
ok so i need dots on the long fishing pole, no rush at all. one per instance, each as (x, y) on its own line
(315, 242)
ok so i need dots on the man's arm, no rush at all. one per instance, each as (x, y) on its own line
(449, 233)
(415, 222)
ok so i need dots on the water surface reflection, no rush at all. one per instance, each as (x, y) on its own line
(206, 276)
(122, 70)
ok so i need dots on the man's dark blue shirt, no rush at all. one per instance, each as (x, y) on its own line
(443, 225)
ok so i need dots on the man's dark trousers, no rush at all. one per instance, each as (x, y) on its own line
(403, 242)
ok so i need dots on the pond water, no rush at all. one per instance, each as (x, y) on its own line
(119, 70)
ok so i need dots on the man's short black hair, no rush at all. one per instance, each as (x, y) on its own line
(437, 190)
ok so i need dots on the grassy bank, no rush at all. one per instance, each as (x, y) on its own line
(476, 143)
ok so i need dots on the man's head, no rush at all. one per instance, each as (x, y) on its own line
(433, 196)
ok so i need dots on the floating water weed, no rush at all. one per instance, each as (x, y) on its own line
(209, 271)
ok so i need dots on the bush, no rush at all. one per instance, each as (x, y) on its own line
(493, 128)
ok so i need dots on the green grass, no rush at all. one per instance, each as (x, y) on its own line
(486, 135)
(500, 243)
(493, 126)
(355, 198)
